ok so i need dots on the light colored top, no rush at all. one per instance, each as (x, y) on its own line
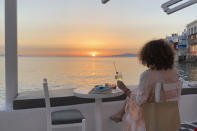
(150, 78)
(84, 93)
(145, 93)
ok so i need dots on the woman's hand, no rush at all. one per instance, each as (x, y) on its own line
(122, 86)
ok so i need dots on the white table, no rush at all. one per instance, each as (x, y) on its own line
(84, 93)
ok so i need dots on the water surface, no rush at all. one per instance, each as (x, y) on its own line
(76, 72)
(71, 72)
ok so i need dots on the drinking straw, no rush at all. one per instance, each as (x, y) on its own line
(115, 67)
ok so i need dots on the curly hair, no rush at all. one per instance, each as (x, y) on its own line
(157, 55)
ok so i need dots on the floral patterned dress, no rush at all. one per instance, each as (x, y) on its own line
(145, 93)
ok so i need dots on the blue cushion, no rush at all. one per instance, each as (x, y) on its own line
(66, 117)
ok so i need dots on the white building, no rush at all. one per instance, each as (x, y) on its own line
(192, 37)
(178, 41)
(192, 27)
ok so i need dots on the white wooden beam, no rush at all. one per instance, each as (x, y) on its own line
(11, 66)
(166, 6)
(104, 1)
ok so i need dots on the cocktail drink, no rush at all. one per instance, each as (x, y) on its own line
(118, 76)
(113, 86)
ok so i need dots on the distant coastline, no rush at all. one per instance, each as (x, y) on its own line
(123, 55)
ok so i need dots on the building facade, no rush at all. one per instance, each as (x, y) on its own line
(179, 42)
(173, 40)
(192, 37)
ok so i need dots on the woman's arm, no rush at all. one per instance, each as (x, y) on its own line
(143, 89)
(123, 87)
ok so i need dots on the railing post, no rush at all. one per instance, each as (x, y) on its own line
(11, 66)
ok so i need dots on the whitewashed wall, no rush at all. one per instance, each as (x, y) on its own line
(35, 120)
(190, 26)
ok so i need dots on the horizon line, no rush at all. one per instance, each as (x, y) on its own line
(118, 55)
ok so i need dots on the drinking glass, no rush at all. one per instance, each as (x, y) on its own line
(118, 76)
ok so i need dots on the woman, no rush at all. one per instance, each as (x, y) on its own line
(158, 56)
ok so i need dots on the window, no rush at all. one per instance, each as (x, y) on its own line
(195, 29)
(192, 37)
(192, 30)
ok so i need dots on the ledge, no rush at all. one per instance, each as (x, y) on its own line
(64, 97)
(58, 97)
(189, 91)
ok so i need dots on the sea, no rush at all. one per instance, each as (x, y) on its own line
(77, 72)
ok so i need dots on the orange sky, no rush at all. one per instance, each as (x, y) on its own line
(77, 28)
(78, 41)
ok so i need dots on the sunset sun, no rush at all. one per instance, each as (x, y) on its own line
(93, 54)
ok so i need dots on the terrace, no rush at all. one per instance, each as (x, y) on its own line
(25, 111)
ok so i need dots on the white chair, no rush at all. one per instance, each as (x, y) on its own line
(61, 118)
